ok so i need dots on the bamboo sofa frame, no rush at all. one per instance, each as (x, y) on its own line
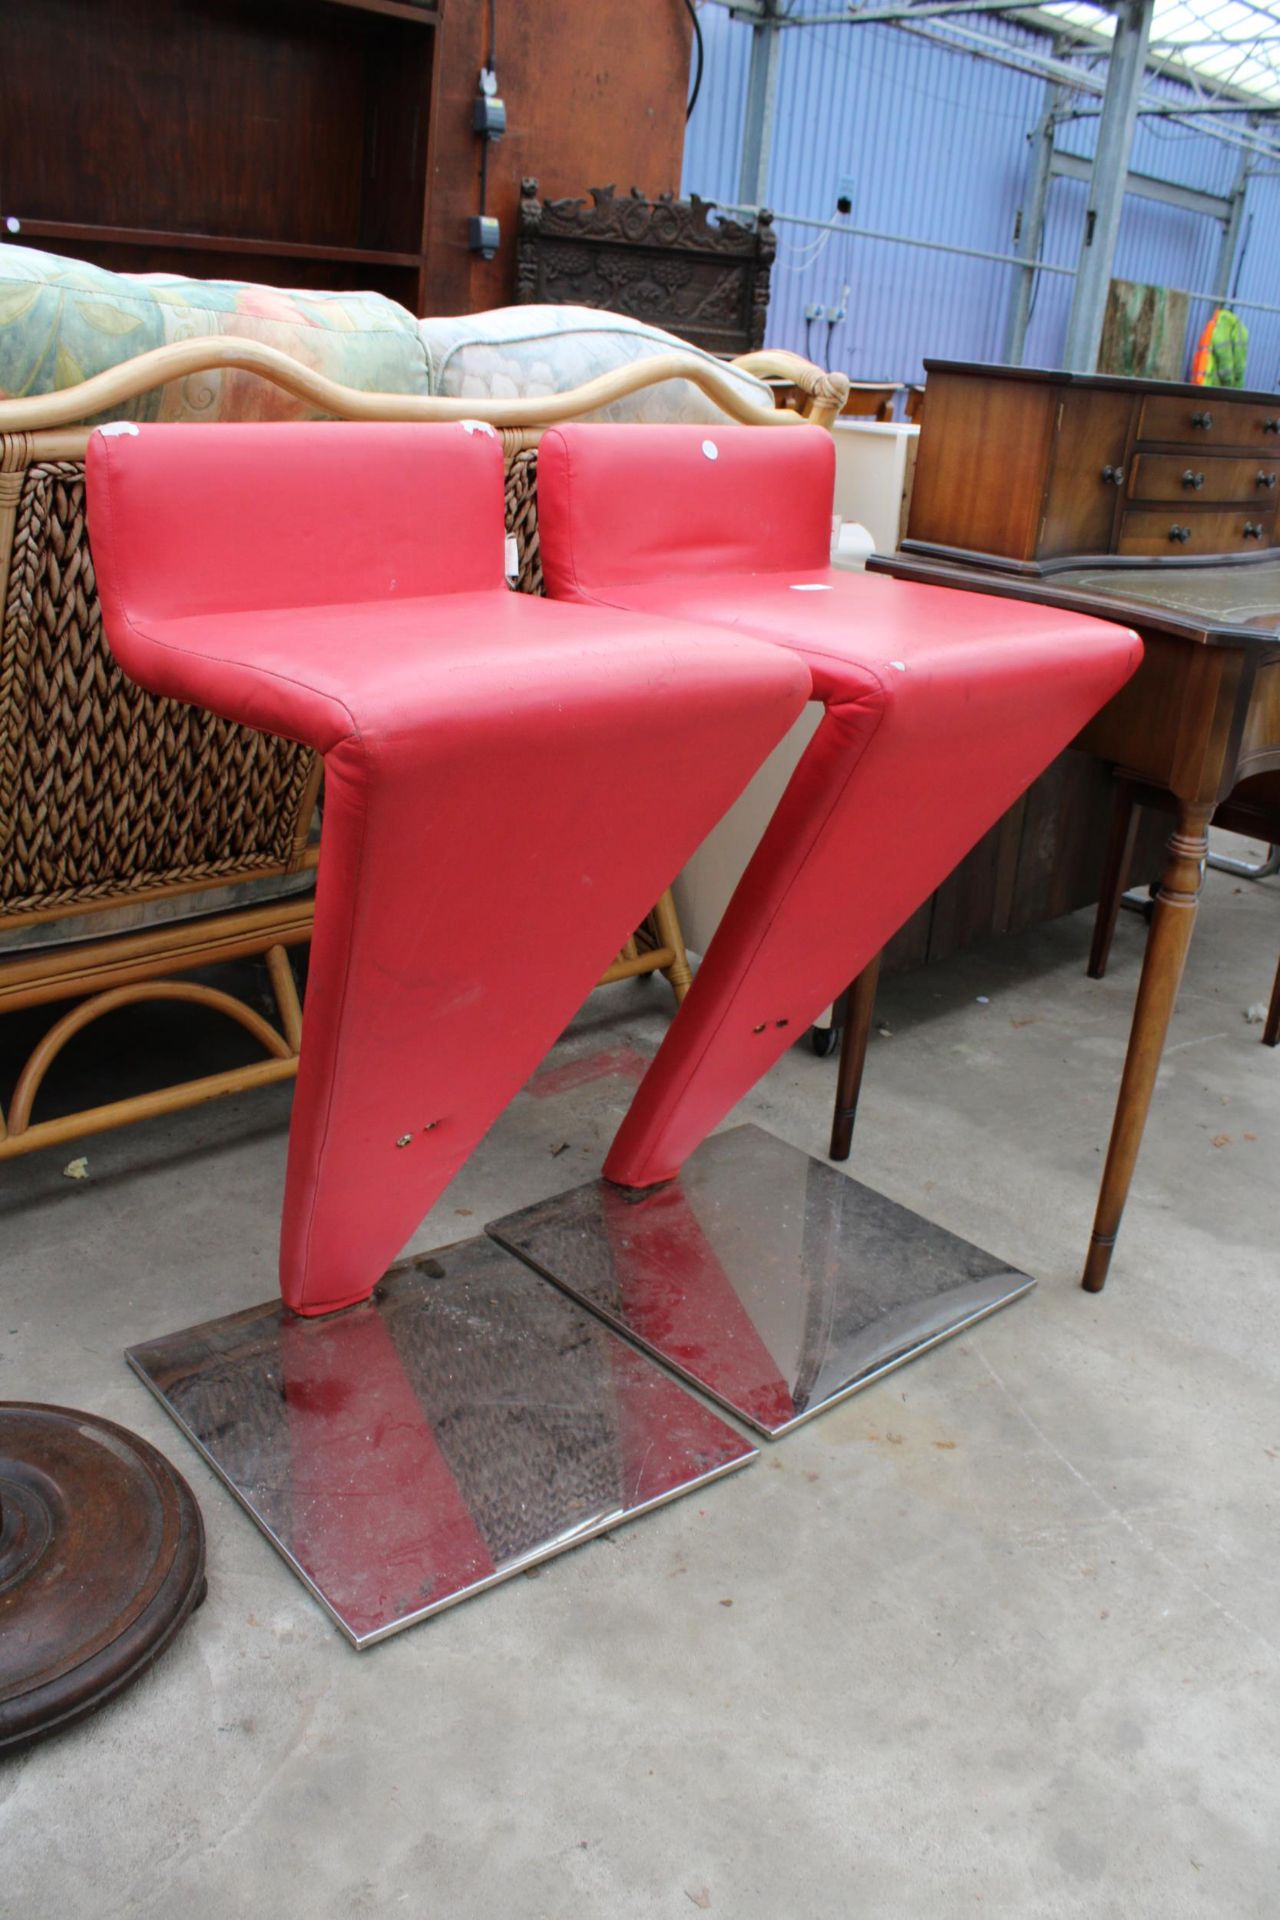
(112, 798)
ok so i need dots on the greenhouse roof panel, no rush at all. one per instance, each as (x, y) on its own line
(1220, 45)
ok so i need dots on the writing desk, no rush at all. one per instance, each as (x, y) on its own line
(1201, 714)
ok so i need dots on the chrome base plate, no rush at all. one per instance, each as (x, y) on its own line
(772, 1282)
(465, 1423)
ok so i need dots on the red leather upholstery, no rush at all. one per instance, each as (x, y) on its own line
(941, 708)
(482, 858)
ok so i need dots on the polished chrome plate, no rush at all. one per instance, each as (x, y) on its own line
(464, 1424)
(771, 1281)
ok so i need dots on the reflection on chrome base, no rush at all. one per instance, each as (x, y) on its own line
(765, 1277)
(461, 1426)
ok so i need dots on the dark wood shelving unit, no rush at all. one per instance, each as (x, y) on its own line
(394, 9)
(284, 141)
(70, 230)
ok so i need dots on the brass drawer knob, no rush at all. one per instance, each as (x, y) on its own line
(1253, 529)
(1190, 479)
(1265, 479)
(1113, 476)
(1205, 420)
(1179, 533)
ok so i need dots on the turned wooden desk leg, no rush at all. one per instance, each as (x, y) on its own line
(860, 1003)
(1170, 936)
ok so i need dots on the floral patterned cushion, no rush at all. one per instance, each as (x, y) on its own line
(524, 352)
(62, 320)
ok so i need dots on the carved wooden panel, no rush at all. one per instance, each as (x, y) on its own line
(662, 261)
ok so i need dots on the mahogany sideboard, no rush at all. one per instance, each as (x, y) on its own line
(1029, 470)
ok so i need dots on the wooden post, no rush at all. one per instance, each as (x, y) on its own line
(1167, 944)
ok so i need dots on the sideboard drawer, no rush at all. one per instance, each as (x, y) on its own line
(1193, 477)
(1171, 532)
(1211, 421)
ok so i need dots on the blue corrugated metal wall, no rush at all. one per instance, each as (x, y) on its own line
(936, 143)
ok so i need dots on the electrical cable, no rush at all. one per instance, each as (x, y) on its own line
(848, 251)
(1036, 278)
(491, 65)
(804, 257)
(1235, 287)
(699, 50)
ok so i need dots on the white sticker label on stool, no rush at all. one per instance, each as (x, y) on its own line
(711, 450)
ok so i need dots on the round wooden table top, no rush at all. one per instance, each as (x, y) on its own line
(101, 1561)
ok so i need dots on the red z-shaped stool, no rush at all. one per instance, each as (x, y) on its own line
(481, 860)
(940, 709)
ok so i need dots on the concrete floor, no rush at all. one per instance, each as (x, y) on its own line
(1005, 1629)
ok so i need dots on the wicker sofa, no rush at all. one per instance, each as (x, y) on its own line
(141, 840)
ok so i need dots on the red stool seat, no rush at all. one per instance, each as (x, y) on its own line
(482, 860)
(940, 709)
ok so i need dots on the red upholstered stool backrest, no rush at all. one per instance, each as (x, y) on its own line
(680, 500)
(313, 514)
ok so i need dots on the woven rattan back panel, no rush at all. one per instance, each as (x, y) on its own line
(105, 789)
(522, 519)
